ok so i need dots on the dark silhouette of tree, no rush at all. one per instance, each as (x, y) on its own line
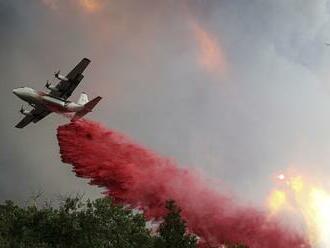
(172, 232)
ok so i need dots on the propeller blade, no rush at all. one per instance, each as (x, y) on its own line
(47, 84)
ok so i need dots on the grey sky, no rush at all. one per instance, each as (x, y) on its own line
(270, 111)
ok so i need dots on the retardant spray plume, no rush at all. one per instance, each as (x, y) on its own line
(137, 176)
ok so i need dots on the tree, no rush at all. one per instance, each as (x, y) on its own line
(172, 232)
(89, 224)
(75, 223)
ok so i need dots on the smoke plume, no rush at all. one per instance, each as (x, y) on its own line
(136, 176)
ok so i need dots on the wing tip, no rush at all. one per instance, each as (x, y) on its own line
(19, 126)
(87, 60)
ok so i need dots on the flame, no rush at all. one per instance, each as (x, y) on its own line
(321, 208)
(211, 55)
(276, 201)
(311, 201)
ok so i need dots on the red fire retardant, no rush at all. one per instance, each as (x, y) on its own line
(138, 177)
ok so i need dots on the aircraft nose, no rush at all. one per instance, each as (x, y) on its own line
(15, 91)
(19, 92)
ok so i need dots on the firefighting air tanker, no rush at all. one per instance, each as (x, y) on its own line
(56, 100)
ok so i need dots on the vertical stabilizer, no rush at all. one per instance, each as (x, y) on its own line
(83, 99)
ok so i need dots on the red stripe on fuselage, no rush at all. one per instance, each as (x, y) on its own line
(52, 106)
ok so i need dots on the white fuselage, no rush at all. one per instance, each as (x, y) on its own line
(52, 103)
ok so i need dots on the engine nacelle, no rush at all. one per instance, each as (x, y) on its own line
(51, 87)
(59, 76)
(25, 112)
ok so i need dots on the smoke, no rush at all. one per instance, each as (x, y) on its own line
(211, 54)
(136, 176)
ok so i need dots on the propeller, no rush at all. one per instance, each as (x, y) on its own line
(47, 84)
(22, 110)
(59, 76)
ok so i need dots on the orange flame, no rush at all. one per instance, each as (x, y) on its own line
(312, 202)
(276, 201)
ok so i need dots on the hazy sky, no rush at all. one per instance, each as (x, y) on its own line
(239, 89)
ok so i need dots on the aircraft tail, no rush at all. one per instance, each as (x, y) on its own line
(88, 107)
(83, 99)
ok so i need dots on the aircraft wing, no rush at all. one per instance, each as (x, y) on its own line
(36, 115)
(65, 88)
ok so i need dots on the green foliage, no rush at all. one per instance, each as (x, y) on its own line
(74, 224)
(172, 232)
(89, 224)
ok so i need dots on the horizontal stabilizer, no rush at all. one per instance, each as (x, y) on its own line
(88, 107)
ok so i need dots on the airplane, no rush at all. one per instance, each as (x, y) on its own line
(56, 100)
